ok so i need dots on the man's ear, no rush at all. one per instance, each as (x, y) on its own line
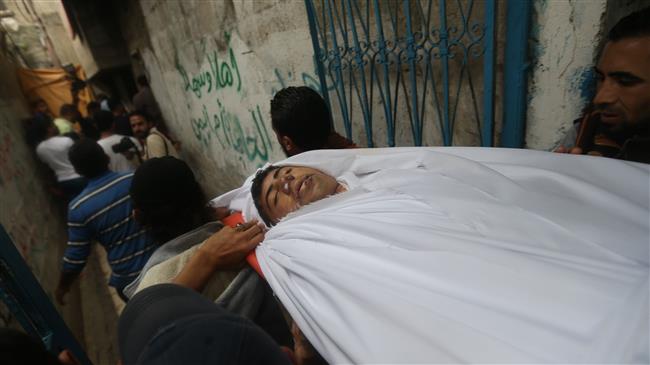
(289, 146)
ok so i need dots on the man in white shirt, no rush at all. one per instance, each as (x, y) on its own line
(123, 153)
(53, 151)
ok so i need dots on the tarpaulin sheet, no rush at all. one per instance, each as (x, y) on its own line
(54, 87)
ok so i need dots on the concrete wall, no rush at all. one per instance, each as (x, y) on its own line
(41, 31)
(24, 37)
(35, 221)
(27, 211)
(213, 67)
(566, 38)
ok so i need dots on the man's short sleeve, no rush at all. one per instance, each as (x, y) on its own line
(80, 237)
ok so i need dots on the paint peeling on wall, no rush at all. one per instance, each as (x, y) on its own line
(564, 40)
(583, 83)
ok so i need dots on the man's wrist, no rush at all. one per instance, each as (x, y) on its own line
(208, 259)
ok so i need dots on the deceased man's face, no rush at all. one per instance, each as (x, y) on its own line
(287, 188)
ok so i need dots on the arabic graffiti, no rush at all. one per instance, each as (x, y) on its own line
(307, 79)
(214, 123)
(220, 74)
(226, 128)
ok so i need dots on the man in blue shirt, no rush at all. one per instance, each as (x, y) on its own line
(102, 212)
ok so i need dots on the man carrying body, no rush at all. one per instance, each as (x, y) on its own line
(102, 212)
(301, 122)
(154, 142)
(617, 123)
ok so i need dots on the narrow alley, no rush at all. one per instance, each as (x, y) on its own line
(150, 142)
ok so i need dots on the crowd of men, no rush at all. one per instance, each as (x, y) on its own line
(128, 191)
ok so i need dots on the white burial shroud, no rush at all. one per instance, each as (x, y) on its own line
(455, 255)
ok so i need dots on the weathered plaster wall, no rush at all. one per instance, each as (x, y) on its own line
(566, 39)
(50, 13)
(41, 31)
(35, 222)
(213, 67)
(26, 40)
(27, 211)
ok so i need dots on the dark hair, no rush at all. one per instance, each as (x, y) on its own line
(256, 192)
(67, 109)
(169, 199)
(36, 129)
(142, 80)
(88, 158)
(19, 348)
(104, 120)
(114, 103)
(301, 114)
(140, 113)
(634, 25)
(92, 108)
(36, 102)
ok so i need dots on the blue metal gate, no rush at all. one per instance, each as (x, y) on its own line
(395, 61)
(30, 305)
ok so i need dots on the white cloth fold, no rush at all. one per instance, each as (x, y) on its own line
(467, 255)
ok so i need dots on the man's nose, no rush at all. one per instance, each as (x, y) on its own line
(606, 93)
(284, 183)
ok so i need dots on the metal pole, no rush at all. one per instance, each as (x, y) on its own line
(515, 73)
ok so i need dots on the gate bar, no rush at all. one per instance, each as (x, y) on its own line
(30, 305)
(515, 70)
(487, 134)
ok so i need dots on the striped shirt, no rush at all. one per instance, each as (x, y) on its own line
(103, 213)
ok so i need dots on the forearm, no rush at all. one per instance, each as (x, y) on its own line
(197, 272)
(224, 250)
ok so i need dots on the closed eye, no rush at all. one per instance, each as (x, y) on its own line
(625, 78)
(628, 81)
(271, 188)
(282, 171)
